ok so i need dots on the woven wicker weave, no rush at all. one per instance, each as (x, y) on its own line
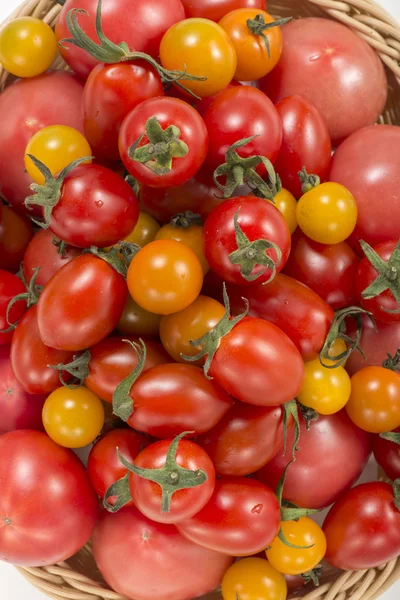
(79, 578)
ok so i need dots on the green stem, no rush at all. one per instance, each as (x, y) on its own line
(392, 362)
(388, 275)
(186, 220)
(121, 490)
(290, 411)
(61, 245)
(122, 402)
(391, 436)
(308, 182)
(31, 297)
(308, 414)
(78, 368)
(313, 575)
(258, 26)
(113, 256)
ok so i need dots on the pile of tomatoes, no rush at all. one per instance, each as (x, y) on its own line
(199, 281)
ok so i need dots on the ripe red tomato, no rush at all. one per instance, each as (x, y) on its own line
(81, 304)
(306, 143)
(174, 397)
(387, 455)
(376, 343)
(363, 528)
(202, 105)
(239, 113)
(241, 518)
(24, 109)
(19, 410)
(153, 552)
(245, 439)
(48, 507)
(320, 56)
(15, 234)
(10, 286)
(141, 25)
(232, 256)
(328, 270)
(312, 483)
(168, 124)
(216, 9)
(368, 165)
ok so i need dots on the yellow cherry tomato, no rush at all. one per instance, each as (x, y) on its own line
(138, 322)
(256, 54)
(56, 146)
(145, 230)
(253, 579)
(191, 323)
(28, 47)
(293, 561)
(164, 277)
(202, 48)
(73, 417)
(286, 203)
(190, 235)
(325, 390)
(338, 347)
(327, 213)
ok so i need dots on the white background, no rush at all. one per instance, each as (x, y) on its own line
(12, 584)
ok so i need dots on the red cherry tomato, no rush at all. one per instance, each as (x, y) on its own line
(216, 9)
(202, 105)
(10, 286)
(387, 455)
(376, 343)
(15, 234)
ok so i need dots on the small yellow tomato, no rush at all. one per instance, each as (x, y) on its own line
(327, 213)
(286, 203)
(138, 322)
(145, 230)
(325, 390)
(190, 235)
(56, 146)
(28, 47)
(293, 561)
(73, 417)
(338, 347)
(253, 579)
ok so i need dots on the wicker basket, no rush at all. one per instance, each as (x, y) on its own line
(79, 578)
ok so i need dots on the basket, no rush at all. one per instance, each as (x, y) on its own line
(79, 578)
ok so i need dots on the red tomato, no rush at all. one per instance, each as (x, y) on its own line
(306, 143)
(19, 410)
(104, 466)
(153, 553)
(259, 221)
(110, 93)
(173, 398)
(216, 9)
(141, 25)
(10, 286)
(239, 113)
(81, 304)
(368, 165)
(363, 528)
(15, 234)
(292, 307)
(375, 343)
(387, 455)
(202, 105)
(24, 109)
(242, 518)
(42, 252)
(48, 506)
(328, 270)
(190, 134)
(312, 483)
(245, 439)
(330, 66)
(113, 359)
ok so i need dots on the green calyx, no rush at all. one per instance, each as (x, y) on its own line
(78, 368)
(338, 331)
(210, 341)
(134, 184)
(251, 254)
(258, 26)
(396, 492)
(122, 402)
(31, 297)
(48, 195)
(391, 436)
(308, 182)
(388, 275)
(164, 145)
(239, 171)
(392, 362)
(290, 412)
(61, 245)
(119, 489)
(308, 414)
(313, 576)
(108, 52)
(118, 257)
(185, 220)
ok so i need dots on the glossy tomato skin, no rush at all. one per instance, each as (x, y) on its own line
(257, 219)
(363, 528)
(273, 365)
(305, 143)
(313, 49)
(314, 484)
(238, 113)
(19, 410)
(253, 578)
(110, 93)
(167, 111)
(113, 359)
(376, 343)
(172, 398)
(202, 105)
(135, 320)
(140, 25)
(16, 232)
(216, 9)
(328, 270)
(24, 109)
(387, 455)
(291, 306)
(245, 439)
(50, 519)
(118, 541)
(10, 286)
(97, 208)
(81, 304)
(368, 165)
(241, 518)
